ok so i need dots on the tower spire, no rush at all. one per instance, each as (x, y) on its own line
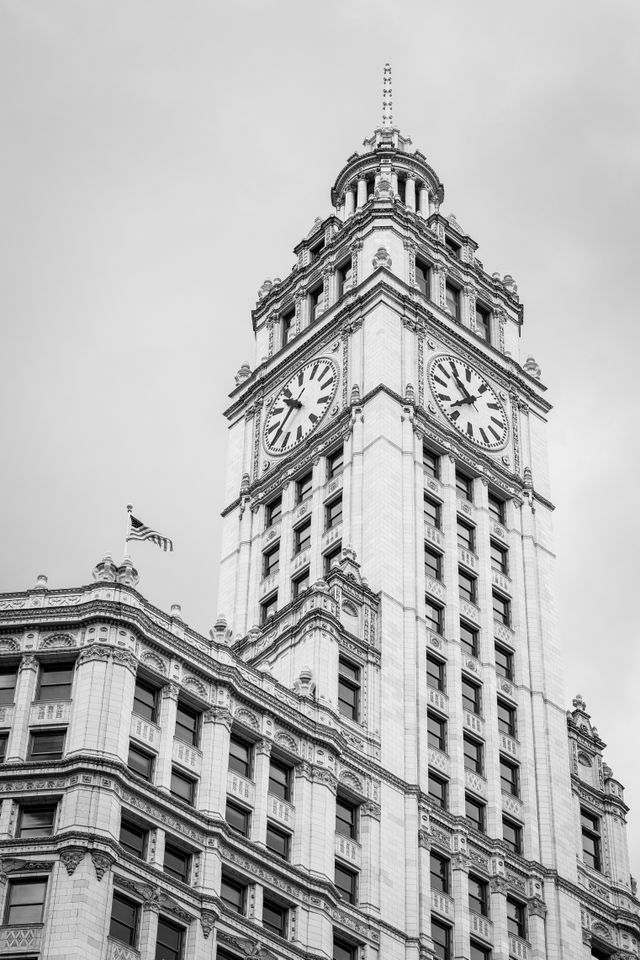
(387, 98)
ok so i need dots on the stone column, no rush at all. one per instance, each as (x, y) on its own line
(216, 734)
(362, 192)
(370, 843)
(261, 777)
(25, 692)
(424, 876)
(6, 817)
(322, 823)
(300, 844)
(167, 725)
(348, 202)
(424, 202)
(203, 933)
(410, 193)
(460, 894)
(394, 182)
(536, 913)
(498, 892)
(149, 929)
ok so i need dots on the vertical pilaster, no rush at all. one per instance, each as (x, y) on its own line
(149, 929)
(460, 894)
(216, 734)
(168, 714)
(498, 894)
(362, 192)
(262, 757)
(349, 202)
(24, 694)
(410, 193)
(370, 843)
(424, 202)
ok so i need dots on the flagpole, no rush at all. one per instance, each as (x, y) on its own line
(127, 531)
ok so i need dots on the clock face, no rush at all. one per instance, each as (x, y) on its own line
(468, 402)
(300, 405)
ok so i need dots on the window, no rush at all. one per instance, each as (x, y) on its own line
(431, 463)
(335, 463)
(342, 950)
(441, 937)
(274, 916)
(496, 508)
(509, 777)
(304, 487)
(36, 821)
(464, 486)
(590, 839)
(300, 584)
(288, 326)
(436, 732)
(472, 755)
(184, 788)
(55, 681)
(516, 925)
(504, 662)
(439, 873)
(483, 323)
(133, 838)
(506, 718)
(8, 679)
(25, 901)
(333, 513)
(499, 558)
(501, 609)
(469, 638)
(432, 563)
(316, 302)
(349, 690)
(453, 246)
(279, 780)
(125, 915)
(435, 673)
(271, 561)
(474, 811)
(466, 535)
(269, 608)
(169, 941)
(140, 762)
(177, 862)
(46, 745)
(478, 896)
(512, 835)
(467, 586)
(316, 250)
(273, 512)
(478, 952)
(346, 818)
(434, 615)
(302, 537)
(331, 559)
(145, 701)
(438, 791)
(471, 696)
(187, 725)
(238, 818)
(432, 512)
(453, 301)
(423, 277)
(233, 893)
(4, 738)
(240, 756)
(345, 277)
(347, 883)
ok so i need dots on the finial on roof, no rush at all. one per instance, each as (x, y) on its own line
(387, 98)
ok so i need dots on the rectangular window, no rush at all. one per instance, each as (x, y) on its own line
(8, 680)
(434, 615)
(432, 563)
(187, 725)
(177, 862)
(316, 250)
(431, 463)
(473, 755)
(342, 950)
(269, 608)
(274, 917)
(469, 638)
(464, 486)
(436, 732)
(471, 696)
(467, 586)
(36, 821)
(288, 326)
(238, 818)
(279, 780)
(4, 739)
(478, 952)
(348, 690)
(483, 323)
(184, 788)
(590, 839)
(333, 513)
(140, 762)
(125, 915)
(240, 756)
(335, 463)
(331, 559)
(435, 673)
(169, 941)
(475, 813)
(466, 535)
(432, 512)
(316, 302)
(496, 508)
(346, 818)
(452, 246)
(271, 561)
(501, 609)
(300, 584)
(441, 936)
(453, 301)
(499, 558)
(302, 537)
(504, 662)
(46, 745)
(478, 896)
(423, 277)
(344, 276)
(55, 681)
(133, 838)
(438, 791)
(516, 923)
(273, 512)
(347, 883)
(233, 893)
(304, 487)
(512, 835)
(506, 719)
(509, 777)
(145, 701)
(439, 873)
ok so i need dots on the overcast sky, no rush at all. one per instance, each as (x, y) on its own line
(160, 159)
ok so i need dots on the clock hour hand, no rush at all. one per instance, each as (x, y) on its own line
(461, 387)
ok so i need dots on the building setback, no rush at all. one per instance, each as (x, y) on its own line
(370, 757)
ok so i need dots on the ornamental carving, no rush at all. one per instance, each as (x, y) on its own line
(101, 863)
(123, 658)
(95, 651)
(15, 865)
(537, 908)
(9, 645)
(57, 640)
(29, 662)
(71, 857)
(248, 718)
(195, 686)
(154, 662)
(208, 920)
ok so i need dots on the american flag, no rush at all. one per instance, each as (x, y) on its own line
(139, 531)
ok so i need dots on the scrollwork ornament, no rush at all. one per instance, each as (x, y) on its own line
(101, 862)
(537, 908)
(208, 920)
(499, 885)
(29, 662)
(71, 857)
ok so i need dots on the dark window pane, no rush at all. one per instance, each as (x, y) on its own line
(348, 690)
(169, 940)
(47, 745)
(506, 719)
(183, 787)
(346, 882)
(288, 326)
(240, 757)
(8, 679)
(504, 662)
(467, 586)
(36, 822)
(431, 463)
(464, 486)
(423, 277)
(237, 818)
(331, 558)
(343, 950)
(501, 609)
(346, 818)
(4, 738)
(432, 512)
(466, 535)
(271, 561)
(469, 638)
(133, 838)
(300, 584)
(438, 791)
(187, 725)
(483, 323)
(274, 917)
(124, 920)
(434, 616)
(441, 937)
(335, 463)
(499, 558)
(304, 488)
(512, 835)
(140, 762)
(436, 732)
(145, 701)
(278, 842)
(475, 812)
(333, 513)
(439, 873)
(432, 563)
(472, 755)
(302, 537)
(268, 608)
(478, 896)
(471, 699)
(232, 893)
(55, 681)
(280, 780)
(496, 508)
(274, 511)
(435, 673)
(177, 863)
(509, 777)
(516, 926)
(453, 302)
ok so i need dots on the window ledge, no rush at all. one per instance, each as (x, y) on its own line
(21, 937)
(116, 950)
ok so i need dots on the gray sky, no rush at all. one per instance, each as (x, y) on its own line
(161, 158)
